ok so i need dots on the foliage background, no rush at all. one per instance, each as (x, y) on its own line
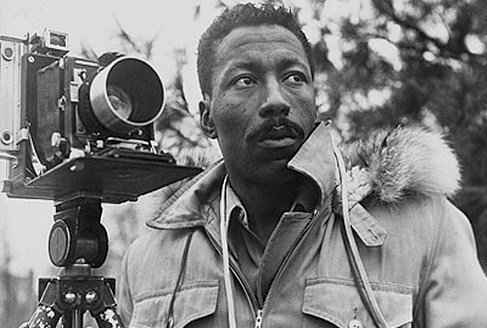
(380, 63)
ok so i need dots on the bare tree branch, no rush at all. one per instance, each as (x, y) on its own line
(385, 7)
(441, 15)
(88, 52)
(125, 36)
(183, 137)
(382, 37)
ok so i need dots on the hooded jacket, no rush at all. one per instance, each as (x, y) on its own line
(414, 248)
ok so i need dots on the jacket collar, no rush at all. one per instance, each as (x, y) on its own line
(315, 160)
(188, 206)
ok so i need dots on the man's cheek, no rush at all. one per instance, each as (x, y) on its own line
(305, 110)
(228, 120)
(237, 108)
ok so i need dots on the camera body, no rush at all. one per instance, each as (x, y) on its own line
(63, 118)
(12, 50)
(59, 110)
(13, 80)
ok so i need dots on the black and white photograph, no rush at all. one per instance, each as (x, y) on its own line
(243, 164)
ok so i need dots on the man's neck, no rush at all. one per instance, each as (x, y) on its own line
(265, 203)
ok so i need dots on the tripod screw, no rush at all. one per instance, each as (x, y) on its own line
(91, 297)
(70, 297)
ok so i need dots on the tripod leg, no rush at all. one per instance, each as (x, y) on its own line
(44, 317)
(108, 319)
(103, 310)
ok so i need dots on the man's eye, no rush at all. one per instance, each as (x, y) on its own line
(244, 82)
(296, 78)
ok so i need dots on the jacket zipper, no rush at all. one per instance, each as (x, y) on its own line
(281, 269)
(236, 272)
(258, 311)
(258, 319)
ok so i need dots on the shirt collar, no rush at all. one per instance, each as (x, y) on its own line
(304, 203)
(234, 204)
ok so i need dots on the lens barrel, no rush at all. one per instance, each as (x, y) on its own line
(126, 95)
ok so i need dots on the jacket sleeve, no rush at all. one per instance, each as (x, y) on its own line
(455, 287)
(125, 304)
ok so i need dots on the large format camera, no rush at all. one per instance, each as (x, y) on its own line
(79, 132)
(79, 126)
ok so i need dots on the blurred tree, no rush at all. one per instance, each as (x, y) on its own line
(5, 276)
(410, 62)
(17, 296)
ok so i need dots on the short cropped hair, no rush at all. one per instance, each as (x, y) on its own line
(243, 15)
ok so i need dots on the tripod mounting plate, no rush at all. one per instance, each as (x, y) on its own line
(112, 179)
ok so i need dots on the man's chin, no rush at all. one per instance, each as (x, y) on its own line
(278, 154)
(278, 164)
(276, 173)
(274, 169)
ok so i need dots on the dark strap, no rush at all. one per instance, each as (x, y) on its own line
(177, 287)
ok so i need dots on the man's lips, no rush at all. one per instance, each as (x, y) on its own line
(278, 136)
(277, 143)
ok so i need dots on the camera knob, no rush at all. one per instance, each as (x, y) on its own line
(70, 297)
(91, 297)
(59, 243)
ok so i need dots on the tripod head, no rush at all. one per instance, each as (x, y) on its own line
(77, 234)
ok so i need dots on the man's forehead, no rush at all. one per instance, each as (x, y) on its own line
(262, 32)
(244, 44)
(254, 38)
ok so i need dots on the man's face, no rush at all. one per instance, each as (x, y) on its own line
(262, 105)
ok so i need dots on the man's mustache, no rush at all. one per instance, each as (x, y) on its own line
(283, 125)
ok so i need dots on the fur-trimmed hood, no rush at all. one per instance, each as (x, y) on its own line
(392, 164)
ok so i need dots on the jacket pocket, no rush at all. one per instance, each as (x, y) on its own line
(193, 301)
(338, 302)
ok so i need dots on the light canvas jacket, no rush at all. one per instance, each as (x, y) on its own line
(418, 250)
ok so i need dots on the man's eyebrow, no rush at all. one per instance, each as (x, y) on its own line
(257, 67)
(245, 65)
(292, 61)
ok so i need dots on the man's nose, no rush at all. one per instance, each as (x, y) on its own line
(275, 104)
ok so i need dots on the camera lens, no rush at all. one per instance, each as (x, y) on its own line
(126, 95)
(120, 101)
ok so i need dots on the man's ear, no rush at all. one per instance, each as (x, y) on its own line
(206, 121)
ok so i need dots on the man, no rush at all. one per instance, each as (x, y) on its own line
(279, 234)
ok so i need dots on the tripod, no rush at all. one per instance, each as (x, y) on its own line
(78, 242)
